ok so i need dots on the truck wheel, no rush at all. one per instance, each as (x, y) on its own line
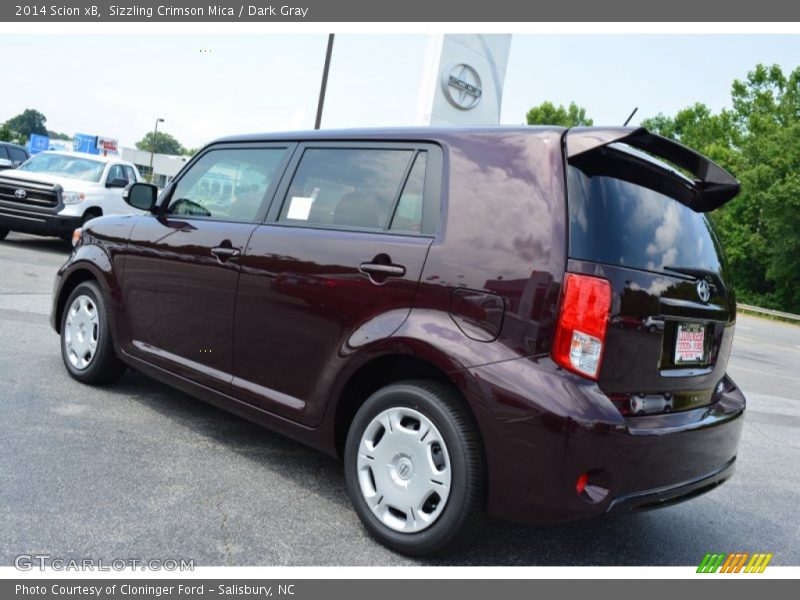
(414, 467)
(90, 214)
(86, 345)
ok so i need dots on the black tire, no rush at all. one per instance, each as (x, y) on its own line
(3, 233)
(104, 366)
(464, 508)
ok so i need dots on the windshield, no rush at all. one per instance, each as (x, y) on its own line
(74, 167)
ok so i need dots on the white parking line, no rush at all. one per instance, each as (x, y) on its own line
(735, 367)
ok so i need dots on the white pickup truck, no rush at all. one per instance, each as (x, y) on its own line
(53, 193)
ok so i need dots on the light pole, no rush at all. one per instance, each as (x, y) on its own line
(324, 85)
(153, 147)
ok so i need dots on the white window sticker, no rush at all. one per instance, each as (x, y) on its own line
(299, 207)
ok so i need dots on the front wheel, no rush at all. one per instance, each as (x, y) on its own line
(414, 467)
(86, 345)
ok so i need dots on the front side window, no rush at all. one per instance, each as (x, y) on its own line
(115, 172)
(346, 187)
(64, 165)
(228, 185)
(130, 175)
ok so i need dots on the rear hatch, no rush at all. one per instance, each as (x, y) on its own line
(638, 207)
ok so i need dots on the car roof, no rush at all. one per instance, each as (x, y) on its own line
(389, 133)
(105, 159)
(13, 145)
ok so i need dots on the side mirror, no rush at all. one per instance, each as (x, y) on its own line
(6, 164)
(141, 195)
(117, 182)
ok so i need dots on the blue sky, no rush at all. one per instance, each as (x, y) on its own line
(612, 74)
(118, 85)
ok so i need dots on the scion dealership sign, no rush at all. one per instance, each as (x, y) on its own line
(462, 86)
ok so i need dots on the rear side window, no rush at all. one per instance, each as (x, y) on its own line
(346, 187)
(622, 223)
(408, 214)
(17, 155)
(3, 152)
(129, 174)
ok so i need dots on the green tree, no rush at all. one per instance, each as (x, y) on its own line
(757, 140)
(767, 108)
(55, 135)
(6, 135)
(548, 113)
(696, 126)
(28, 122)
(165, 144)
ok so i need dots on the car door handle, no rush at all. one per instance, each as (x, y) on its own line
(225, 252)
(372, 268)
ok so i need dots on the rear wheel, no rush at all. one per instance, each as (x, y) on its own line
(86, 345)
(414, 467)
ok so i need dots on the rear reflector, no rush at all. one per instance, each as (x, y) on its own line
(580, 485)
(582, 321)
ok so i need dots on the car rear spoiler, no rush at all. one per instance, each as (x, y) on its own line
(712, 185)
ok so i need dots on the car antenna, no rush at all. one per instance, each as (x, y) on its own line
(628, 120)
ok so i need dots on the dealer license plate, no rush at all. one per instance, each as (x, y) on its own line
(690, 344)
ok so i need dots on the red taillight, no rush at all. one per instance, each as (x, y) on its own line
(582, 320)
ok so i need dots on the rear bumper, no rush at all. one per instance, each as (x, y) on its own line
(38, 223)
(667, 496)
(543, 428)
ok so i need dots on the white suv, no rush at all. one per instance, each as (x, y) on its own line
(53, 193)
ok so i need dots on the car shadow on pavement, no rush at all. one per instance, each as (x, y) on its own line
(651, 538)
(49, 245)
(292, 460)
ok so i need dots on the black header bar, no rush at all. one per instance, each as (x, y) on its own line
(439, 11)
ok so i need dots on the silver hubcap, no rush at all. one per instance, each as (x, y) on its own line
(81, 332)
(404, 469)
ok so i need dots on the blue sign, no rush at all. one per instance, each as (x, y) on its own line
(85, 143)
(39, 143)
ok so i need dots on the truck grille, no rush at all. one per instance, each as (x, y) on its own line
(42, 195)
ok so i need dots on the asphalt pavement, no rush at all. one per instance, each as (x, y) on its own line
(140, 471)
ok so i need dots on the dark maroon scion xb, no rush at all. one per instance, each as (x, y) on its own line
(533, 322)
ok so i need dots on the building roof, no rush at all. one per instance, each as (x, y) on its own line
(106, 159)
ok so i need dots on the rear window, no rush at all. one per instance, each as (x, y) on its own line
(622, 223)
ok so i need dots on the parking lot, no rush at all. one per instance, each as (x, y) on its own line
(138, 470)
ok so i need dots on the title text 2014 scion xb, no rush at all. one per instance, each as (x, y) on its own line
(533, 322)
